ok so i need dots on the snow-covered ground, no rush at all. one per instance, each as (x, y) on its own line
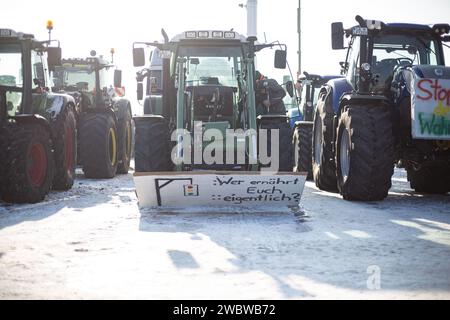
(93, 242)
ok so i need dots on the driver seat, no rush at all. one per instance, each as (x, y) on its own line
(384, 72)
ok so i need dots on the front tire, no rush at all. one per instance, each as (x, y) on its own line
(125, 131)
(285, 148)
(365, 153)
(99, 146)
(430, 180)
(65, 144)
(323, 162)
(152, 147)
(29, 164)
(302, 142)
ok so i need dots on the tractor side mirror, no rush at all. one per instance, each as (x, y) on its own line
(290, 88)
(140, 91)
(280, 59)
(138, 57)
(337, 36)
(117, 78)
(54, 57)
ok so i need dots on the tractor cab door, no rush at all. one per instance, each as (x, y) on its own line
(40, 83)
(353, 63)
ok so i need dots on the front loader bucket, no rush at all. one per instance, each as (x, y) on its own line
(219, 189)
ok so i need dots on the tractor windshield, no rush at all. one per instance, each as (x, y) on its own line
(212, 65)
(11, 66)
(406, 50)
(11, 78)
(75, 78)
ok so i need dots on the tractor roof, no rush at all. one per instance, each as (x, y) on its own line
(379, 26)
(9, 34)
(91, 61)
(209, 36)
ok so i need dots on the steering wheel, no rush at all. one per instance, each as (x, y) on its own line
(403, 62)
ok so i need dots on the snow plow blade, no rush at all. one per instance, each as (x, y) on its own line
(219, 189)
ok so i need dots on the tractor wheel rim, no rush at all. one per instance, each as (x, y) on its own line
(37, 164)
(112, 147)
(69, 148)
(318, 142)
(344, 155)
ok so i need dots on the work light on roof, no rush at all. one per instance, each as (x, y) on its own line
(6, 33)
(203, 34)
(217, 34)
(191, 34)
(230, 35)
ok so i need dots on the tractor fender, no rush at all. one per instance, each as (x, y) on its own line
(24, 119)
(271, 119)
(298, 123)
(107, 111)
(57, 103)
(338, 88)
(153, 105)
(121, 108)
(360, 100)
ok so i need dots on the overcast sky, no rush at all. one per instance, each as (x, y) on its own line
(84, 25)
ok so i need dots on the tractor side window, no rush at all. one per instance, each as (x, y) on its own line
(11, 78)
(432, 58)
(38, 73)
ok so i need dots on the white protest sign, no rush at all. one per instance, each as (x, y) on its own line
(194, 189)
(430, 109)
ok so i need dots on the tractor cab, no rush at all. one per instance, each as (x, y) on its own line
(92, 81)
(24, 78)
(378, 51)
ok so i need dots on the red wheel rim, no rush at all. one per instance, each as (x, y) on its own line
(69, 148)
(37, 164)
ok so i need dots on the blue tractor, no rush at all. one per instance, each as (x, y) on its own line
(393, 108)
(302, 120)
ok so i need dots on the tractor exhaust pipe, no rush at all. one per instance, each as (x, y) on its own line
(252, 18)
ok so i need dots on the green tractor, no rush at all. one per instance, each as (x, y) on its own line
(208, 91)
(105, 131)
(37, 127)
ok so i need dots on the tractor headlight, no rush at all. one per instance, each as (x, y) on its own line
(366, 67)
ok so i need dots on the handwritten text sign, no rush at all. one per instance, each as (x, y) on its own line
(190, 189)
(430, 111)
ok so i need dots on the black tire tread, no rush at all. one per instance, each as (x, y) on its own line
(64, 180)
(372, 154)
(286, 150)
(16, 185)
(303, 148)
(152, 147)
(124, 157)
(430, 180)
(94, 146)
(325, 174)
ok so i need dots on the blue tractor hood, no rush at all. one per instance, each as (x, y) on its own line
(432, 72)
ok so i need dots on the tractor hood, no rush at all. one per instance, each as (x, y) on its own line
(432, 72)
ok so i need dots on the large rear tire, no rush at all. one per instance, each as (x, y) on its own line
(365, 153)
(28, 163)
(5, 137)
(430, 180)
(98, 146)
(125, 132)
(285, 147)
(323, 162)
(152, 146)
(65, 145)
(302, 142)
